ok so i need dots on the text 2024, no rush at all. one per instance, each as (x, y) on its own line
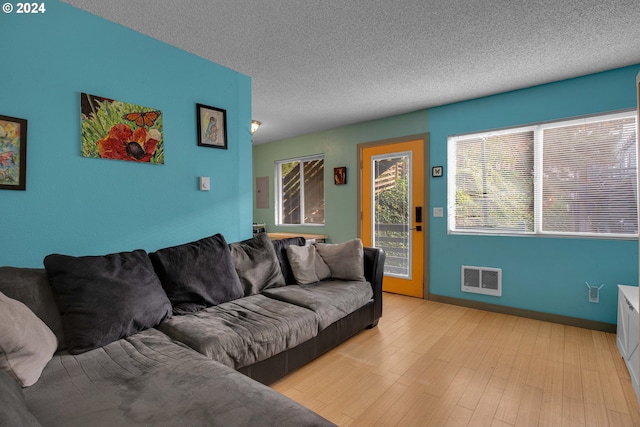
(30, 8)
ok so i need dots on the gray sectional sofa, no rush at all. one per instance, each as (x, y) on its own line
(178, 336)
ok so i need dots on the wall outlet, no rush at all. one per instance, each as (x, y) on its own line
(594, 292)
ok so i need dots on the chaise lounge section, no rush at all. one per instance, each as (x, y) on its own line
(197, 364)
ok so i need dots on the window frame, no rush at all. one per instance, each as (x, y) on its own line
(538, 130)
(279, 190)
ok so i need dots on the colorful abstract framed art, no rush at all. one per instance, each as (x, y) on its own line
(121, 131)
(212, 126)
(13, 153)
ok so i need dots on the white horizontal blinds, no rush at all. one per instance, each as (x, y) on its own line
(586, 184)
(494, 182)
(589, 177)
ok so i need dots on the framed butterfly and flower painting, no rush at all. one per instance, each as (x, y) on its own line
(120, 131)
(212, 126)
(13, 153)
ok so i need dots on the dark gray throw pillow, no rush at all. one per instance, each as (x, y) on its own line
(13, 407)
(257, 264)
(31, 287)
(198, 274)
(105, 298)
(280, 246)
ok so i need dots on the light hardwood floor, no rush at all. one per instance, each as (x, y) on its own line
(434, 364)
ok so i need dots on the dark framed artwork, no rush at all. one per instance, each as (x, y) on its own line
(118, 130)
(212, 126)
(340, 175)
(13, 153)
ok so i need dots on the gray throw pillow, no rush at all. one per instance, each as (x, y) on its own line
(257, 264)
(26, 343)
(346, 260)
(13, 407)
(307, 266)
(105, 298)
(198, 274)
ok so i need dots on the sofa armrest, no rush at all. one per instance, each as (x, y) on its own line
(374, 272)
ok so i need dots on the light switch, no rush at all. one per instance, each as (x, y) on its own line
(438, 212)
(205, 183)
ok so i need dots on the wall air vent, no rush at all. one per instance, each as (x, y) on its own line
(482, 280)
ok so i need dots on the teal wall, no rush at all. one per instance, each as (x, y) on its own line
(542, 274)
(339, 148)
(83, 206)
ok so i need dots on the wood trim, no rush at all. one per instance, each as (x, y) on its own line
(530, 314)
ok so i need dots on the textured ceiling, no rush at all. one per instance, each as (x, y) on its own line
(316, 64)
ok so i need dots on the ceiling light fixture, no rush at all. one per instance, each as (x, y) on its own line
(254, 126)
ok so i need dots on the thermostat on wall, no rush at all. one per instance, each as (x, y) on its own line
(205, 183)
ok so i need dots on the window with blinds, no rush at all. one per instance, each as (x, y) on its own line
(576, 177)
(494, 182)
(300, 191)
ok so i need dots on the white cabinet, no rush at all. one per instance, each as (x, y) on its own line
(627, 333)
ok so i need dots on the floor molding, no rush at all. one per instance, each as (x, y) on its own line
(538, 315)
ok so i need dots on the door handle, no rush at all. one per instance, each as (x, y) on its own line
(418, 213)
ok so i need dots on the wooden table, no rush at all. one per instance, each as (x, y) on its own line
(313, 237)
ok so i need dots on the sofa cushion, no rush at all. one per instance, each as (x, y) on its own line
(257, 264)
(198, 274)
(26, 343)
(149, 380)
(245, 331)
(346, 260)
(280, 246)
(307, 265)
(31, 287)
(13, 407)
(104, 298)
(330, 300)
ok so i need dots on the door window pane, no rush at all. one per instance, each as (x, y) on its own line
(392, 211)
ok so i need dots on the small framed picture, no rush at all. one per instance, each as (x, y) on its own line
(212, 126)
(13, 153)
(340, 175)
(436, 171)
